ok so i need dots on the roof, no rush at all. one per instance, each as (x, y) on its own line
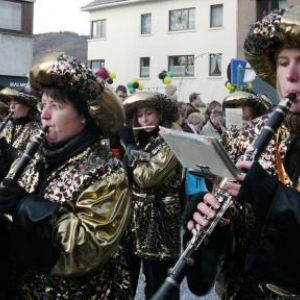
(98, 3)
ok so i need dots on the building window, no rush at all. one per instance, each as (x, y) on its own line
(146, 23)
(215, 64)
(144, 66)
(264, 7)
(181, 65)
(10, 15)
(216, 15)
(182, 19)
(98, 29)
(95, 65)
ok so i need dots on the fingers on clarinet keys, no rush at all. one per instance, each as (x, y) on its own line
(205, 214)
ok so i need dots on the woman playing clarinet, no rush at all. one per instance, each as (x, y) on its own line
(69, 208)
(259, 258)
(19, 126)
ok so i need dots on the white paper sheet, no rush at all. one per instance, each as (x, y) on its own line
(199, 152)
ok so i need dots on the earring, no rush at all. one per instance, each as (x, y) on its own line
(82, 121)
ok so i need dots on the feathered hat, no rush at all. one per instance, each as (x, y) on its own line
(261, 103)
(280, 28)
(58, 70)
(165, 105)
(7, 94)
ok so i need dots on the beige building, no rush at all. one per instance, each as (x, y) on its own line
(194, 41)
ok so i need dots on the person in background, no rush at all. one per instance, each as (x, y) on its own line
(114, 140)
(182, 108)
(71, 204)
(212, 106)
(215, 125)
(21, 128)
(170, 91)
(194, 123)
(194, 103)
(256, 251)
(121, 91)
(253, 105)
(156, 186)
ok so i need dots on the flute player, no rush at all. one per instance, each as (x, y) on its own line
(71, 205)
(256, 254)
(153, 237)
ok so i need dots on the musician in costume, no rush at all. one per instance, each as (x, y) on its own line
(20, 128)
(259, 258)
(156, 186)
(252, 105)
(71, 205)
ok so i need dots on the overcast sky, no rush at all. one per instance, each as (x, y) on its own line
(61, 15)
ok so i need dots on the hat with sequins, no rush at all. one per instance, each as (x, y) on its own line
(280, 28)
(261, 103)
(168, 107)
(7, 94)
(56, 69)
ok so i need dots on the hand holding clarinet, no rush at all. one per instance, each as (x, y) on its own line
(209, 212)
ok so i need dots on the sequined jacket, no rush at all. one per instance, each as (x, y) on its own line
(16, 134)
(157, 208)
(19, 132)
(91, 192)
(232, 283)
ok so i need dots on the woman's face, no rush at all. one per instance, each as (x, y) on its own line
(148, 116)
(19, 110)
(288, 75)
(61, 118)
(247, 112)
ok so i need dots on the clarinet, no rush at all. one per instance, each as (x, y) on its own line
(5, 121)
(27, 155)
(253, 152)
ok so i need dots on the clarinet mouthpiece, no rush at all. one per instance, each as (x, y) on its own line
(291, 96)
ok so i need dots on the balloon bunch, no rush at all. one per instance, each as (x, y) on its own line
(232, 88)
(135, 84)
(166, 76)
(105, 75)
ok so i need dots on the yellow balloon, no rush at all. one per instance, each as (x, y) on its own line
(135, 80)
(112, 75)
(230, 86)
(167, 80)
(141, 85)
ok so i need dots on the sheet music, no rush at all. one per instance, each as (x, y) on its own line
(200, 152)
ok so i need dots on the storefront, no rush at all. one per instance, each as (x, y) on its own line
(14, 82)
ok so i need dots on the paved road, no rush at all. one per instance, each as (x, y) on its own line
(184, 293)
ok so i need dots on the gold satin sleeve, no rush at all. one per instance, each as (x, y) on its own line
(90, 229)
(159, 169)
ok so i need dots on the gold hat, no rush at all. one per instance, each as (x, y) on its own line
(56, 69)
(261, 103)
(165, 105)
(280, 28)
(7, 94)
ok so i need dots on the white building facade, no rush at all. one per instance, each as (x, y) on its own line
(194, 40)
(16, 42)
